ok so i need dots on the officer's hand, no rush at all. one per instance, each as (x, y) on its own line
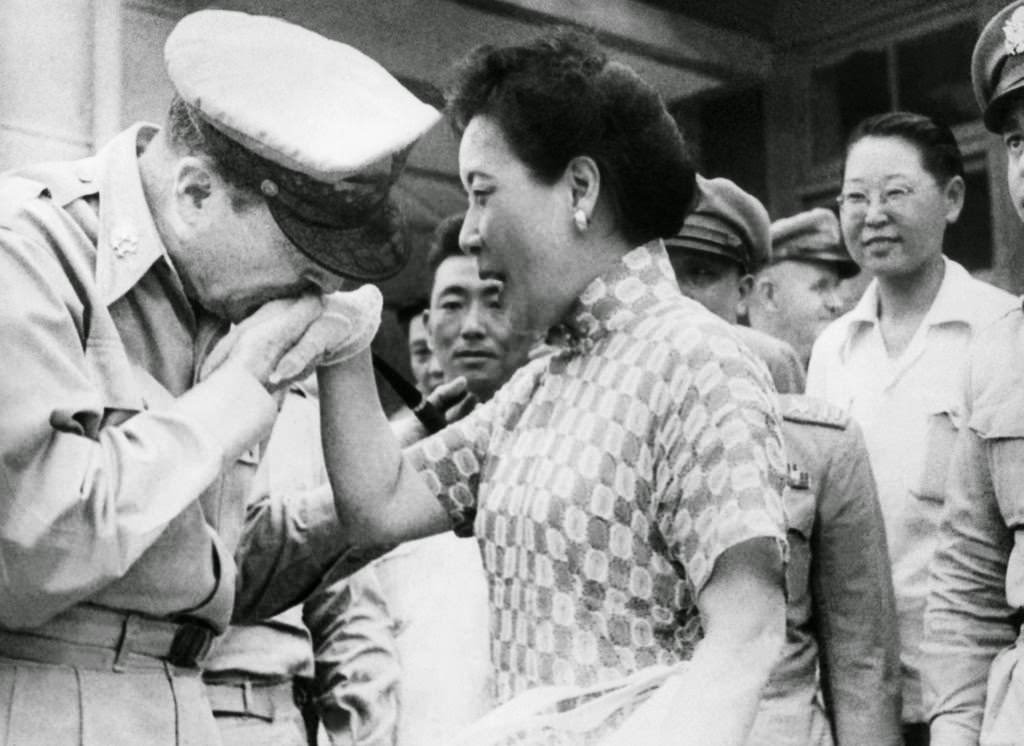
(454, 399)
(346, 327)
(451, 397)
(258, 343)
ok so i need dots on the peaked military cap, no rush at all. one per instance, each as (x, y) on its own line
(997, 66)
(314, 125)
(812, 236)
(726, 221)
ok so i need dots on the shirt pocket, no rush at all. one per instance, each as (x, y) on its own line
(928, 477)
(1001, 425)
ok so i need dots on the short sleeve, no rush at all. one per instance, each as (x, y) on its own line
(720, 469)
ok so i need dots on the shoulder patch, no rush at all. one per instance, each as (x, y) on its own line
(811, 411)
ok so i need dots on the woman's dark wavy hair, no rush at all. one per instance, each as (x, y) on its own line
(559, 97)
(935, 142)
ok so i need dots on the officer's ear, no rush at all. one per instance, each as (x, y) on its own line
(194, 185)
(764, 288)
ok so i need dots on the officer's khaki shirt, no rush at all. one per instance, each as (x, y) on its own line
(341, 639)
(122, 483)
(977, 588)
(841, 629)
(783, 363)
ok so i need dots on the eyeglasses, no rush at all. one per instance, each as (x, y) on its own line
(856, 201)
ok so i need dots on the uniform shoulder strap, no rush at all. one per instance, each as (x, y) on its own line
(811, 411)
(65, 181)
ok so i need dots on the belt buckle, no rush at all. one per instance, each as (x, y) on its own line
(190, 645)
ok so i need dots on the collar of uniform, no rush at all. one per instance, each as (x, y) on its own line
(128, 243)
(643, 278)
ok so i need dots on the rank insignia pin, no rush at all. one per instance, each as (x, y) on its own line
(797, 478)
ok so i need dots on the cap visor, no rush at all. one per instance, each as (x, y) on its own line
(1011, 81)
(370, 253)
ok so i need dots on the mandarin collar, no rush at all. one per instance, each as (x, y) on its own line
(643, 278)
(128, 243)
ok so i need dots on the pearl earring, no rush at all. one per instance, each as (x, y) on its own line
(580, 220)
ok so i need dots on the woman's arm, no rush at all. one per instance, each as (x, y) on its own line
(380, 499)
(714, 701)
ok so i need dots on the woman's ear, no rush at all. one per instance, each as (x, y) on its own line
(954, 194)
(585, 183)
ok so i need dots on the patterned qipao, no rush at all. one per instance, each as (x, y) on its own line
(603, 481)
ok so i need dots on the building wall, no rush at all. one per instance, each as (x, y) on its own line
(810, 36)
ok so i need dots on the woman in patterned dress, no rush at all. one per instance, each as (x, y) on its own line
(624, 490)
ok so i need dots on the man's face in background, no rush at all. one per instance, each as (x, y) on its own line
(711, 280)
(425, 371)
(469, 327)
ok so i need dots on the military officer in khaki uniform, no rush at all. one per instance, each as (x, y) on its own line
(328, 668)
(796, 294)
(132, 421)
(724, 240)
(973, 652)
(838, 680)
(840, 616)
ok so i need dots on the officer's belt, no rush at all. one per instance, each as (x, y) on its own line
(252, 698)
(91, 637)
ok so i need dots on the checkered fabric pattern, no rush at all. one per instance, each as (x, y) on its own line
(605, 480)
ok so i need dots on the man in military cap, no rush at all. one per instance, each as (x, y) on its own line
(840, 617)
(722, 243)
(972, 644)
(132, 420)
(796, 294)
(842, 641)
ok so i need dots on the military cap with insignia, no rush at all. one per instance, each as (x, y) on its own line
(997, 66)
(726, 221)
(315, 126)
(811, 236)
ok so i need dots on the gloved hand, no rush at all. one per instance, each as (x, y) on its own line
(346, 327)
(258, 343)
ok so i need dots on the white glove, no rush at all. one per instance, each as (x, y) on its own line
(346, 327)
(259, 342)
